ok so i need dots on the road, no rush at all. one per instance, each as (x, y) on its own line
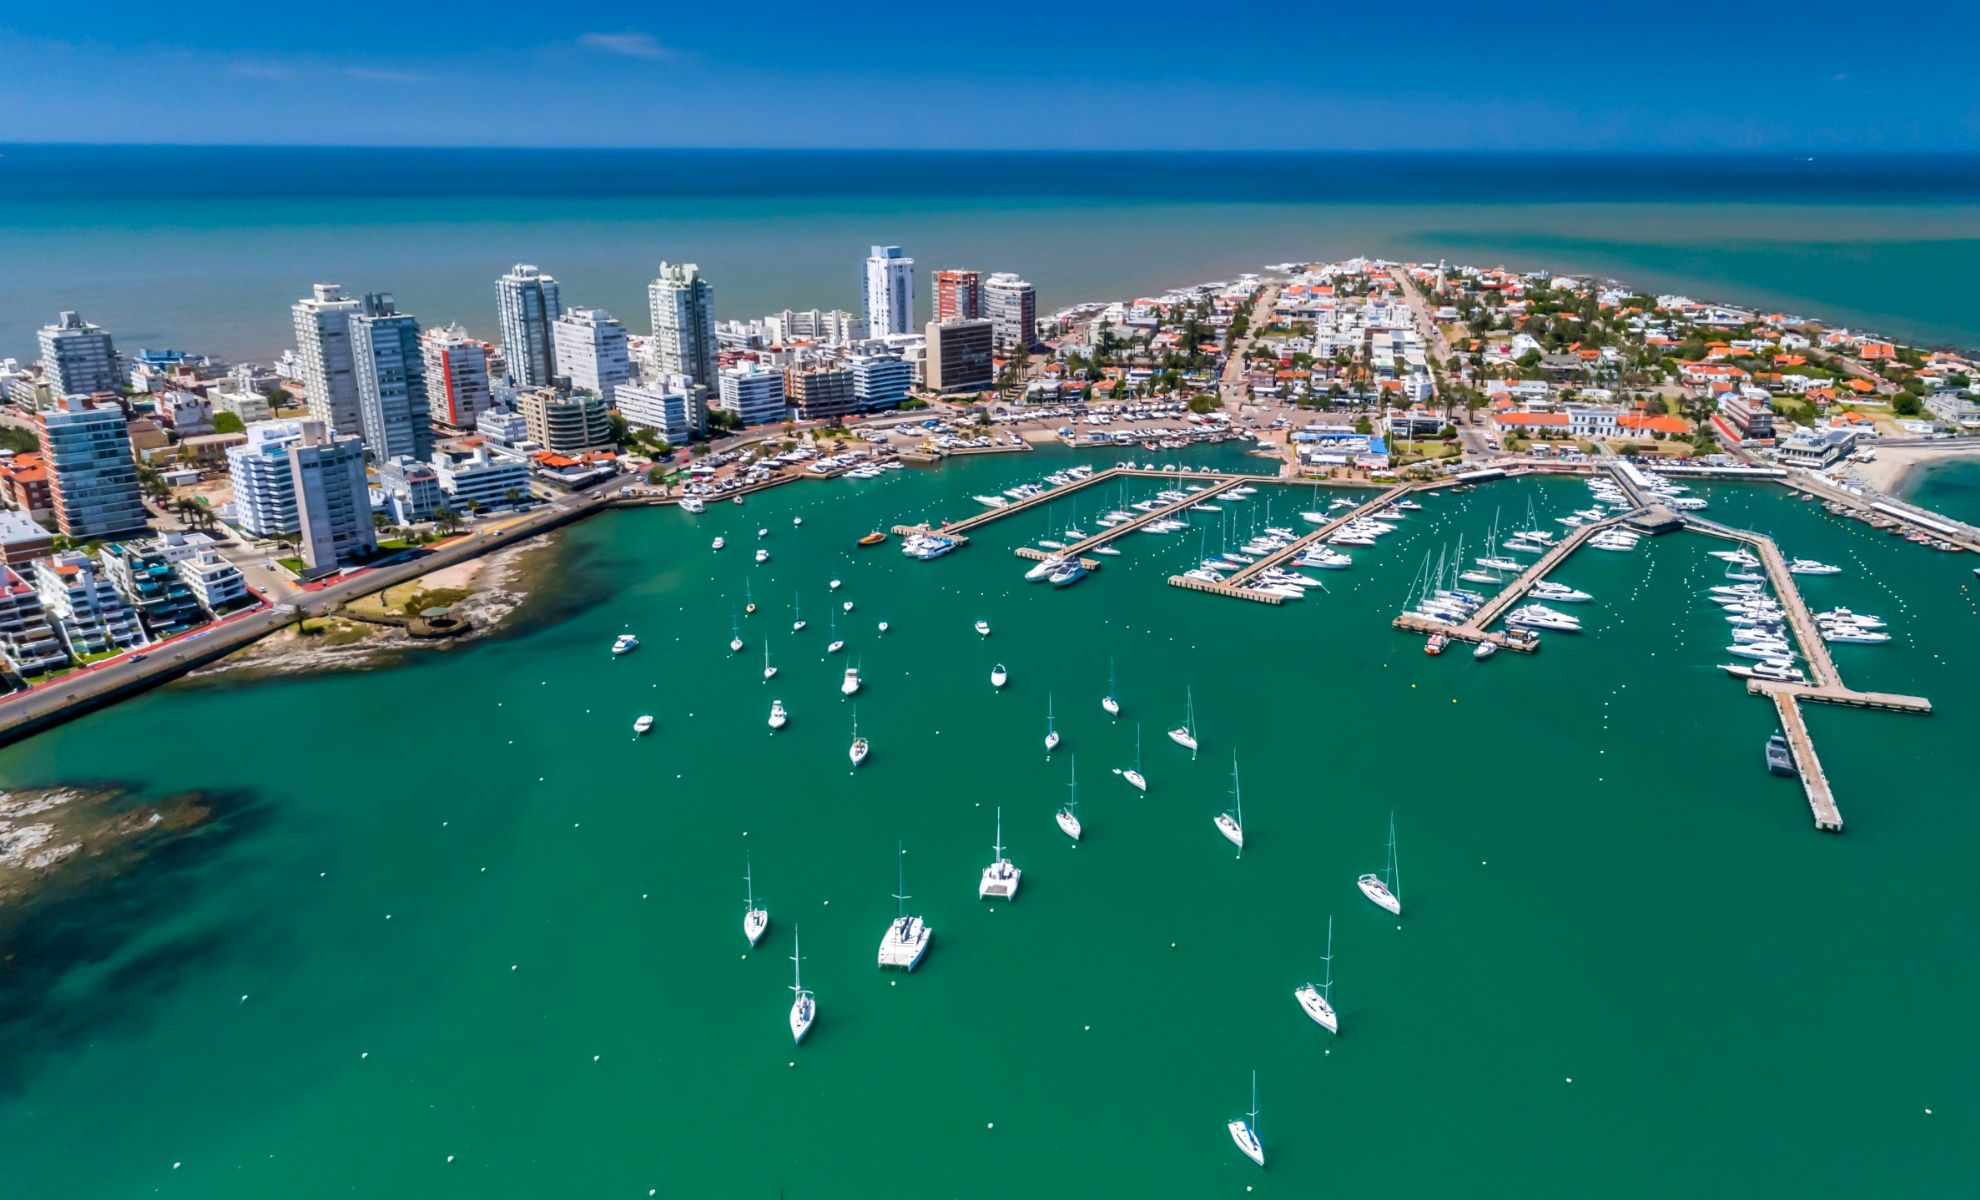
(1470, 434)
(1231, 387)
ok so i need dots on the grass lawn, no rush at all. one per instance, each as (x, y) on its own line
(294, 564)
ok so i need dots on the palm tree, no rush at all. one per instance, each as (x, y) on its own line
(447, 519)
(514, 496)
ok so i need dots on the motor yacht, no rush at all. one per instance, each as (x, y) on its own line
(718, 543)
(625, 643)
(1041, 571)
(644, 723)
(999, 676)
(692, 504)
(1484, 650)
(762, 556)
(1808, 566)
(778, 716)
(1547, 589)
(850, 685)
(983, 628)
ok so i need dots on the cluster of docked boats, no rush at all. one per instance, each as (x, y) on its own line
(1057, 571)
(926, 545)
(1759, 626)
(1024, 491)
(1842, 625)
(1284, 581)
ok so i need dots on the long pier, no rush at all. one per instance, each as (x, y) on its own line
(1821, 798)
(1816, 651)
(1233, 585)
(1515, 591)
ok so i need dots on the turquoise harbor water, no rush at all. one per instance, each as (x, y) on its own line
(206, 248)
(1950, 486)
(455, 909)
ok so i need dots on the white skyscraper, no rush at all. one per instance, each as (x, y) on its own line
(323, 345)
(264, 485)
(889, 292)
(456, 376)
(77, 357)
(1011, 304)
(530, 303)
(591, 351)
(391, 381)
(333, 503)
(683, 310)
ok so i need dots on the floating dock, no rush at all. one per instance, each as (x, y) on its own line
(1821, 799)
(1233, 585)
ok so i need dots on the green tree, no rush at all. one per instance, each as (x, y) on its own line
(226, 422)
(19, 440)
(447, 519)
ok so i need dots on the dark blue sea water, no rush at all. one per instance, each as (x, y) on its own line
(205, 247)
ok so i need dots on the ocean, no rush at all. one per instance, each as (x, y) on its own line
(206, 248)
(453, 930)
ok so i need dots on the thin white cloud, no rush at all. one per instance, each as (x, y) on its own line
(626, 45)
(380, 75)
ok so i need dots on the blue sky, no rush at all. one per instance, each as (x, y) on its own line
(1592, 76)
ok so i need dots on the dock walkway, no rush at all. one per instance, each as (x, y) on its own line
(1233, 585)
(1821, 799)
(1515, 591)
(1821, 665)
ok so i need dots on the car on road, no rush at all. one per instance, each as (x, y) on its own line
(138, 658)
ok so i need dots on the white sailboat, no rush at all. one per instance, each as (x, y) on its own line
(755, 920)
(1068, 817)
(735, 637)
(906, 939)
(1051, 731)
(859, 745)
(1245, 1133)
(769, 672)
(804, 1008)
(1000, 879)
(1231, 824)
(1111, 701)
(1133, 774)
(1385, 889)
(1186, 735)
(797, 613)
(836, 644)
(1318, 1002)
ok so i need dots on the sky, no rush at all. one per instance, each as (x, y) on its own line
(1810, 77)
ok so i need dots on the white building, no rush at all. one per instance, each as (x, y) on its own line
(481, 482)
(241, 397)
(591, 351)
(27, 641)
(387, 360)
(753, 394)
(682, 305)
(880, 380)
(505, 428)
(77, 358)
(264, 486)
(84, 607)
(675, 407)
(889, 292)
(213, 581)
(456, 376)
(1011, 305)
(530, 303)
(333, 504)
(410, 489)
(323, 351)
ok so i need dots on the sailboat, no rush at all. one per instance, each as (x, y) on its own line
(1231, 824)
(1186, 735)
(1110, 701)
(1133, 774)
(769, 672)
(755, 920)
(836, 644)
(859, 746)
(1051, 733)
(906, 939)
(1385, 889)
(1245, 1133)
(1000, 878)
(796, 612)
(1068, 816)
(1318, 1002)
(735, 636)
(804, 1009)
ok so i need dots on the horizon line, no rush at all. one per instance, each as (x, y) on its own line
(1791, 154)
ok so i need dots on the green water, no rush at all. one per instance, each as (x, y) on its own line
(1949, 486)
(472, 916)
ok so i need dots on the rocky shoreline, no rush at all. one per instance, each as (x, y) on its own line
(72, 832)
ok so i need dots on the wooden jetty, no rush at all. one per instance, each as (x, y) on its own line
(1233, 585)
(1036, 555)
(1821, 798)
(1513, 592)
(1816, 651)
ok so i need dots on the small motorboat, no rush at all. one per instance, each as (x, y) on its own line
(763, 556)
(777, 714)
(999, 676)
(983, 627)
(873, 539)
(718, 543)
(643, 724)
(625, 643)
(1484, 650)
(883, 627)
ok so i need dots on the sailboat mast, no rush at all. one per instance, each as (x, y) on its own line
(1327, 987)
(1395, 864)
(797, 963)
(901, 897)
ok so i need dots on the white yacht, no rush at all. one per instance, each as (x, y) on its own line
(1838, 632)
(1317, 1002)
(1245, 1132)
(644, 723)
(1778, 670)
(1068, 817)
(1185, 734)
(769, 672)
(625, 643)
(762, 555)
(797, 520)
(1231, 824)
(692, 504)
(846, 607)
(1560, 593)
(778, 717)
(718, 543)
(850, 686)
(983, 627)
(859, 745)
(1000, 879)
(999, 676)
(1051, 730)
(1385, 890)
(755, 920)
(1108, 701)
(906, 939)
(1808, 566)
(1133, 774)
(835, 585)
(763, 533)
(1539, 616)
(1865, 620)
(804, 1008)
(883, 627)
(1043, 568)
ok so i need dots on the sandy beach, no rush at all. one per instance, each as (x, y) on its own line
(1886, 472)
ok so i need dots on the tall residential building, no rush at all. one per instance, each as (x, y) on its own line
(264, 486)
(323, 348)
(675, 407)
(27, 641)
(333, 504)
(961, 356)
(456, 376)
(683, 309)
(821, 393)
(77, 358)
(880, 380)
(149, 583)
(530, 303)
(755, 395)
(836, 327)
(85, 609)
(568, 423)
(92, 480)
(1011, 305)
(591, 351)
(889, 292)
(391, 378)
(958, 295)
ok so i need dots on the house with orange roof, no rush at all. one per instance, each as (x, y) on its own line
(1876, 350)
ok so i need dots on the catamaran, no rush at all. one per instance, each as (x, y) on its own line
(1245, 1133)
(777, 714)
(804, 1009)
(1068, 817)
(755, 920)
(1000, 878)
(1318, 1002)
(906, 939)
(859, 746)
(1385, 889)
(1186, 735)
(1231, 824)
(1051, 732)
(1108, 701)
